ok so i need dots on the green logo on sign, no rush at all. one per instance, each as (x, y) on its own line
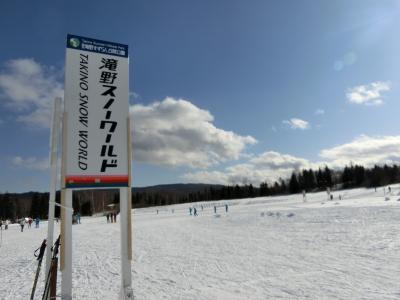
(74, 42)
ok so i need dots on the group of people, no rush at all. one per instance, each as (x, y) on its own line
(194, 209)
(111, 217)
(28, 221)
(5, 224)
(21, 223)
(76, 218)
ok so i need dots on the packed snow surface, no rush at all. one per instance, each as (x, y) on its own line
(263, 248)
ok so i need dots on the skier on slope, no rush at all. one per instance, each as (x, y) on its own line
(226, 208)
(37, 220)
(22, 224)
(190, 210)
(195, 211)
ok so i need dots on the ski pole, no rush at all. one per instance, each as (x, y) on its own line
(42, 248)
(50, 274)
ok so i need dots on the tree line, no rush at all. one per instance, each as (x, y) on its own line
(307, 180)
(35, 204)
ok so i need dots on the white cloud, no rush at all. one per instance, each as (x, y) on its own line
(175, 132)
(30, 88)
(319, 112)
(275, 161)
(369, 94)
(172, 132)
(365, 150)
(214, 177)
(269, 166)
(296, 123)
(31, 163)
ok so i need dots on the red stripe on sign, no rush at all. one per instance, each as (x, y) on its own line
(80, 179)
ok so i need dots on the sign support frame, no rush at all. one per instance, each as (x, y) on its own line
(66, 223)
(55, 132)
(83, 176)
(125, 202)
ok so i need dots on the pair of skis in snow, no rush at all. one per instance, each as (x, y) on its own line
(52, 275)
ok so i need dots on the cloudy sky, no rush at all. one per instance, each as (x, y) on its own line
(221, 91)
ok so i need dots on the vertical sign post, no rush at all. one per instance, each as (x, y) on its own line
(96, 149)
(54, 138)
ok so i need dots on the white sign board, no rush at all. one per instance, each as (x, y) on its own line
(97, 110)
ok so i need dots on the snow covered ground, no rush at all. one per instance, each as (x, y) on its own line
(263, 248)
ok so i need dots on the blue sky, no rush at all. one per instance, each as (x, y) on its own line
(222, 91)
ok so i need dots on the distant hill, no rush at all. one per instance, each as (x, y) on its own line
(89, 202)
(177, 188)
(15, 205)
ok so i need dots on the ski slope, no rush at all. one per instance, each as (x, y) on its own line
(263, 248)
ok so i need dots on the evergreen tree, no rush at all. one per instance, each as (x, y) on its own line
(294, 186)
(347, 177)
(311, 181)
(264, 190)
(283, 188)
(394, 174)
(10, 206)
(238, 192)
(320, 180)
(86, 209)
(277, 188)
(359, 175)
(251, 192)
(328, 177)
